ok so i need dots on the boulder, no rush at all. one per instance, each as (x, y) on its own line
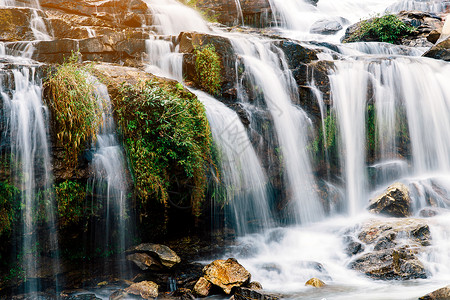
(145, 261)
(243, 293)
(327, 26)
(226, 274)
(202, 287)
(167, 256)
(145, 289)
(440, 294)
(255, 285)
(315, 282)
(389, 264)
(395, 201)
(440, 51)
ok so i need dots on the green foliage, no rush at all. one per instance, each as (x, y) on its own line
(166, 133)
(74, 106)
(208, 69)
(70, 196)
(371, 131)
(9, 206)
(388, 28)
(326, 140)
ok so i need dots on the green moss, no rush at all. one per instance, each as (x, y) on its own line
(9, 206)
(388, 28)
(74, 107)
(167, 138)
(70, 196)
(325, 143)
(208, 69)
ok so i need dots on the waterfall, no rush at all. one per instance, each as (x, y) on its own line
(164, 59)
(240, 172)
(109, 182)
(278, 92)
(27, 127)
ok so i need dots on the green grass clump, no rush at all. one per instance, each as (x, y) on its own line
(71, 196)
(388, 28)
(74, 107)
(208, 69)
(167, 138)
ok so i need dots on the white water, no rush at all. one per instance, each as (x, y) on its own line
(27, 125)
(110, 182)
(164, 59)
(267, 71)
(244, 181)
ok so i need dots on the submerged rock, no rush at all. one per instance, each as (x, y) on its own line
(440, 294)
(395, 201)
(243, 293)
(145, 289)
(167, 256)
(226, 274)
(315, 282)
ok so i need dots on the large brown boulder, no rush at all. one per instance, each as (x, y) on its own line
(145, 289)
(145, 261)
(395, 201)
(226, 274)
(440, 294)
(167, 256)
(440, 51)
(202, 287)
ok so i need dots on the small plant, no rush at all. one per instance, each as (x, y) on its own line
(70, 196)
(208, 69)
(388, 28)
(73, 103)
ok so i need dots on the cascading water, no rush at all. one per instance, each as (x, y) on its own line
(241, 174)
(264, 72)
(27, 125)
(110, 182)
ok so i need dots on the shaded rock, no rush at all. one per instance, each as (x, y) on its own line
(167, 256)
(429, 212)
(395, 202)
(202, 287)
(226, 274)
(390, 264)
(315, 282)
(184, 294)
(440, 294)
(440, 51)
(353, 247)
(145, 261)
(327, 26)
(243, 293)
(145, 289)
(255, 285)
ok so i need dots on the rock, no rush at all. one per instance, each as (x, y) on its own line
(255, 285)
(327, 26)
(226, 274)
(202, 287)
(395, 202)
(15, 24)
(145, 289)
(243, 293)
(440, 51)
(315, 282)
(353, 247)
(434, 35)
(184, 294)
(145, 261)
(440, 294)
(166, 255)
(390, 264)
(429, 212)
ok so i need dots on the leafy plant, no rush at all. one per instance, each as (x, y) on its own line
(74, 106)
(70, 196)
(388, 28)
(208, 68)
(9, 206)
(166, 134)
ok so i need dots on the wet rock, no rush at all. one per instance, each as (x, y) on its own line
(80, 297)
(243, 293)
(255, 285)
(395, 201)
(353, 247)
(145, 261)
(429, 212)
(145, 289)
(184, 294)
(166, 255)
(440, 294)
(327, 26)
(440, 51)
(315, 282)
(15, 24)
(226, 274)
(202, 287)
